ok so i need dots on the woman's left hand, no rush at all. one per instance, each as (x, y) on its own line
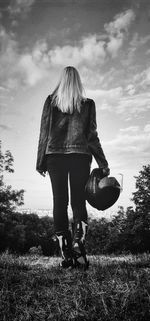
(106, 171)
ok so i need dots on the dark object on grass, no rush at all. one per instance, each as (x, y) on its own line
(101, 192)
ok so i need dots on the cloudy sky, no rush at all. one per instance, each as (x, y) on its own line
(108, 41)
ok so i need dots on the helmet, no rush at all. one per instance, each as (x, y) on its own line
(101, 192)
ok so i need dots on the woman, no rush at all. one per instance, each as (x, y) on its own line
(68, 139)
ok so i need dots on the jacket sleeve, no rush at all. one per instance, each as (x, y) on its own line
(94, 144)
(44, 127)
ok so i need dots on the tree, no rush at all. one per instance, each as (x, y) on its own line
(129, 239)
(97, 236)
(141, 199)
(115, 239)
(9, 198)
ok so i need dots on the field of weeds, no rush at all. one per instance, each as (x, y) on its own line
(36, 289)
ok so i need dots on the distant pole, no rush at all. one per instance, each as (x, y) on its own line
(121, 188)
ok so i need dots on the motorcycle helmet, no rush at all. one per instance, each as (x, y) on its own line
(101, 192)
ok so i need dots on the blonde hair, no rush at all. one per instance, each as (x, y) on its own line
(69, 92)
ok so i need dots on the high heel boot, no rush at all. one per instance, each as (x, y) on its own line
(65, 244)
(79, 251)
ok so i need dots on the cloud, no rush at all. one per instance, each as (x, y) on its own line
(117, 29)
(5, 127)
(20, 7)
(3, 89)
(130, 146)
(121, 22)
(131, 129)
(138, 47)
(33, 64)
(146, 77)
(8, 55)
(31, 67)
(106, 99)
(114, 44)
(136, 104)
(90, 50)
(32, 71)
(148, 52)
(102, 79)
(121, 101)
(93, 49)
(138, 41)
(142, 79)
(90, 76)
(147, 128)
(130, 89)
(138, 81)
(20, 68)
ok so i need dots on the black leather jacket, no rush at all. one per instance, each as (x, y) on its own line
(69, 133)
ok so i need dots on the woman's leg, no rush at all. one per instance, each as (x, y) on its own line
(79, 170)
(79, 173)
(58, 172)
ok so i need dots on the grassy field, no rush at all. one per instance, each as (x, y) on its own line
(36, 289)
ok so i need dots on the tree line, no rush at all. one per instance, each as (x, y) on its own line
(127, 231)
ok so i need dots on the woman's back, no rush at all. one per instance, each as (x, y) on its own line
(69, 131)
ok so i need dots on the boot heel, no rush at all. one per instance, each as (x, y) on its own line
(79, 252)
(65, 244)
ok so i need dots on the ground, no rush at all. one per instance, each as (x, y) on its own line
(36, 288)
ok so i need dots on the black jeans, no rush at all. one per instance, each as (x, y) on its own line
(77, 168)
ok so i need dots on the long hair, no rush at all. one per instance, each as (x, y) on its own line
(68, 94)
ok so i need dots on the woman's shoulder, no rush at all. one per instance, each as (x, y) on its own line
(49, 97)
(49, 100)
(88, 101)
(47, 104)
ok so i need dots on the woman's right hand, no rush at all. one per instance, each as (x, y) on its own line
(42, 173)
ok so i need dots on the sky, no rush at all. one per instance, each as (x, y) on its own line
(108, 41)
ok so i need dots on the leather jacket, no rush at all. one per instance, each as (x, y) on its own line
(69, 133)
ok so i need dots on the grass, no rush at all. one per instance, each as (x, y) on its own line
(35, 289)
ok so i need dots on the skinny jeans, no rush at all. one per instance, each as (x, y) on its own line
(73, 168)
